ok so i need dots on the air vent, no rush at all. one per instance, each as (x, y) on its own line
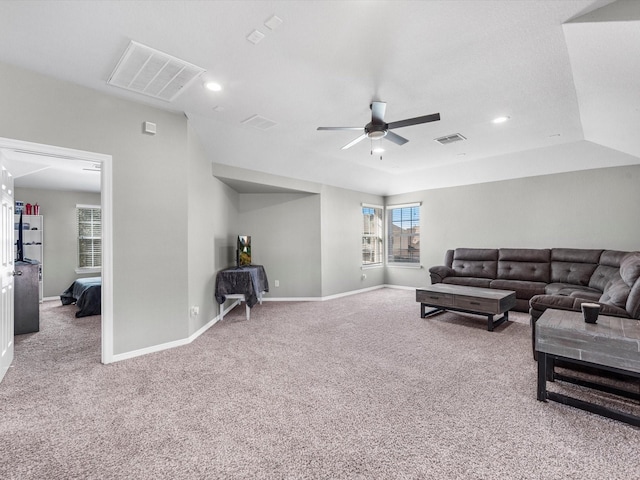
(153, 73)
(446, 140)
(259, 122)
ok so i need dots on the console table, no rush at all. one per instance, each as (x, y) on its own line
(476, 300)
(246, 283)
(612, 344)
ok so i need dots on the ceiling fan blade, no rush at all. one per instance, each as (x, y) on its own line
(339, 128)
(353, 142)
(434, 117)
(377, 112)
(395, 138)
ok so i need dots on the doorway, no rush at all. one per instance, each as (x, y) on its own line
(61, 154)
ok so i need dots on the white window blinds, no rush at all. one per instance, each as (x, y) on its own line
(89, 236)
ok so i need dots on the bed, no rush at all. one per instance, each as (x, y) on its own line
(86, 293)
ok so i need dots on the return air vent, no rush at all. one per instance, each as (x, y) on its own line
(153, 73)
(259, 122)
(446, 140)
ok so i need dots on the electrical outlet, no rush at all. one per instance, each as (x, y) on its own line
(277, 283)
(195, 311)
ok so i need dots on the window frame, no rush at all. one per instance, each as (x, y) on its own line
(92, 268)
(379, 235)
(388, 235)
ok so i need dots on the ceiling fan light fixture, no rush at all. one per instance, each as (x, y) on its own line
(213, 86)
(377, 134)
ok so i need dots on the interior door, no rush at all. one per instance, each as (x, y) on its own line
(6, 270)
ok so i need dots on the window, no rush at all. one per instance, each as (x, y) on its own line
(403, 234)
(371, 235)
(89, 236)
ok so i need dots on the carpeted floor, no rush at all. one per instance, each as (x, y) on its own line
(354, 388)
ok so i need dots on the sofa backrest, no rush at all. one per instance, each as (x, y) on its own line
(573, 265)
(608, 269)
(475, 262)
(528, 264)
(630, 273)
(448, 258)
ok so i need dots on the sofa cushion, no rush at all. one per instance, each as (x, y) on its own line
(575, 255)
(568, 289)
(540, 303)
(616, 293)
(586, 295)
(475, 262)
(607, 270)
(524, 289)
(523, 264)
(573, 265)
(612, 258)
(536, 255)
(602, 275)
(630, 268)
(629, 272)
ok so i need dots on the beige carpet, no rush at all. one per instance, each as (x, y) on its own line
(359, 387)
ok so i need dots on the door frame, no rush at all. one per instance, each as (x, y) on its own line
(106, 200)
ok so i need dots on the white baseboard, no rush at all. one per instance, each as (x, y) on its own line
(321, 299)
(165, 346)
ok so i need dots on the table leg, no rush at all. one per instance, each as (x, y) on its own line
(550, 368)
(542, 376)
(424, 314)
(491, 323)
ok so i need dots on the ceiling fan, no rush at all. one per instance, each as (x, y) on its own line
(378, 128)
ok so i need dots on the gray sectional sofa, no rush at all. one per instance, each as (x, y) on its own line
(561, 278)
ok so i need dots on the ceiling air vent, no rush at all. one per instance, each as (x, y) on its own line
(446, 140)
(259, 122)
(148, 71)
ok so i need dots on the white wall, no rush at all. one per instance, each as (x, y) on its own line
(212, 213)
(150, 187)
(588, 209)
(342, 242)
(60, 251)
(285, 239)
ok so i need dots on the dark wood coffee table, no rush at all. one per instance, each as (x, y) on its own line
(460, 298)
(612, 344)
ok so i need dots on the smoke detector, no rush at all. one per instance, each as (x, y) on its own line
(153, 73)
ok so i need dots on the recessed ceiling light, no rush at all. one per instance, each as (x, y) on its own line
(500, 119)
(213, 86)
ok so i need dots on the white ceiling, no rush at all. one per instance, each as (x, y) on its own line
(567, 80)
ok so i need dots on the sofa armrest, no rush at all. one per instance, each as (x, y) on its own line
(440, 272)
